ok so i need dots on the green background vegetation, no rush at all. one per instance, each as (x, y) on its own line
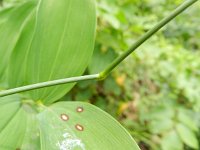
(155, 93)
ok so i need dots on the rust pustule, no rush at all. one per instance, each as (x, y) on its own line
(64, 117)
(79, 127)
(79, 109)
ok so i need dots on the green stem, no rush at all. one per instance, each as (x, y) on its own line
(47, 84)
(146, 36)
(116, 62)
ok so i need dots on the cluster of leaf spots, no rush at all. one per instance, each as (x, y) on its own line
(160, 79)
(47, 40)
(66, 117)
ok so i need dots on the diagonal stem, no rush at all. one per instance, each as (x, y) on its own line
(146, 36)
(115, 63)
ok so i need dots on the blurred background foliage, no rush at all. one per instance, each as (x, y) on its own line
(155, 93)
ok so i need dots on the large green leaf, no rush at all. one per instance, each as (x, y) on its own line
(59, 46)
(12, 21)
(61, 126)
(87, 128)
(67, 41)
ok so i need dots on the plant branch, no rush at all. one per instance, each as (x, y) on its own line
(109, 69)
(48, 84)
(146, 36)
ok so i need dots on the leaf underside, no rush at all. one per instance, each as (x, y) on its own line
(61, 126)
(12, 21)
(51, 41)
(58, 46)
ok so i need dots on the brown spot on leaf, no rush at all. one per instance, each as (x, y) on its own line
(79, 127)
(79, 109)
(64, 117)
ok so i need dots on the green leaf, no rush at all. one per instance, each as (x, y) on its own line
(60, 46)
(4, 13)
(18, 126)
(187, 136)
(87, 127)
(12, 21)
(63, 125)
(13, 104)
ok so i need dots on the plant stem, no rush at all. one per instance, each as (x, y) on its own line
(146, 36)
(48, 84)
(116, 62)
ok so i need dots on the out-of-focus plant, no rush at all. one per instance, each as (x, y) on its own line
(153, 116)
(164, 77)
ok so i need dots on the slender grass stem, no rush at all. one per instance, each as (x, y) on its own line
(48, 84)
(115, 63)
(146, 36)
